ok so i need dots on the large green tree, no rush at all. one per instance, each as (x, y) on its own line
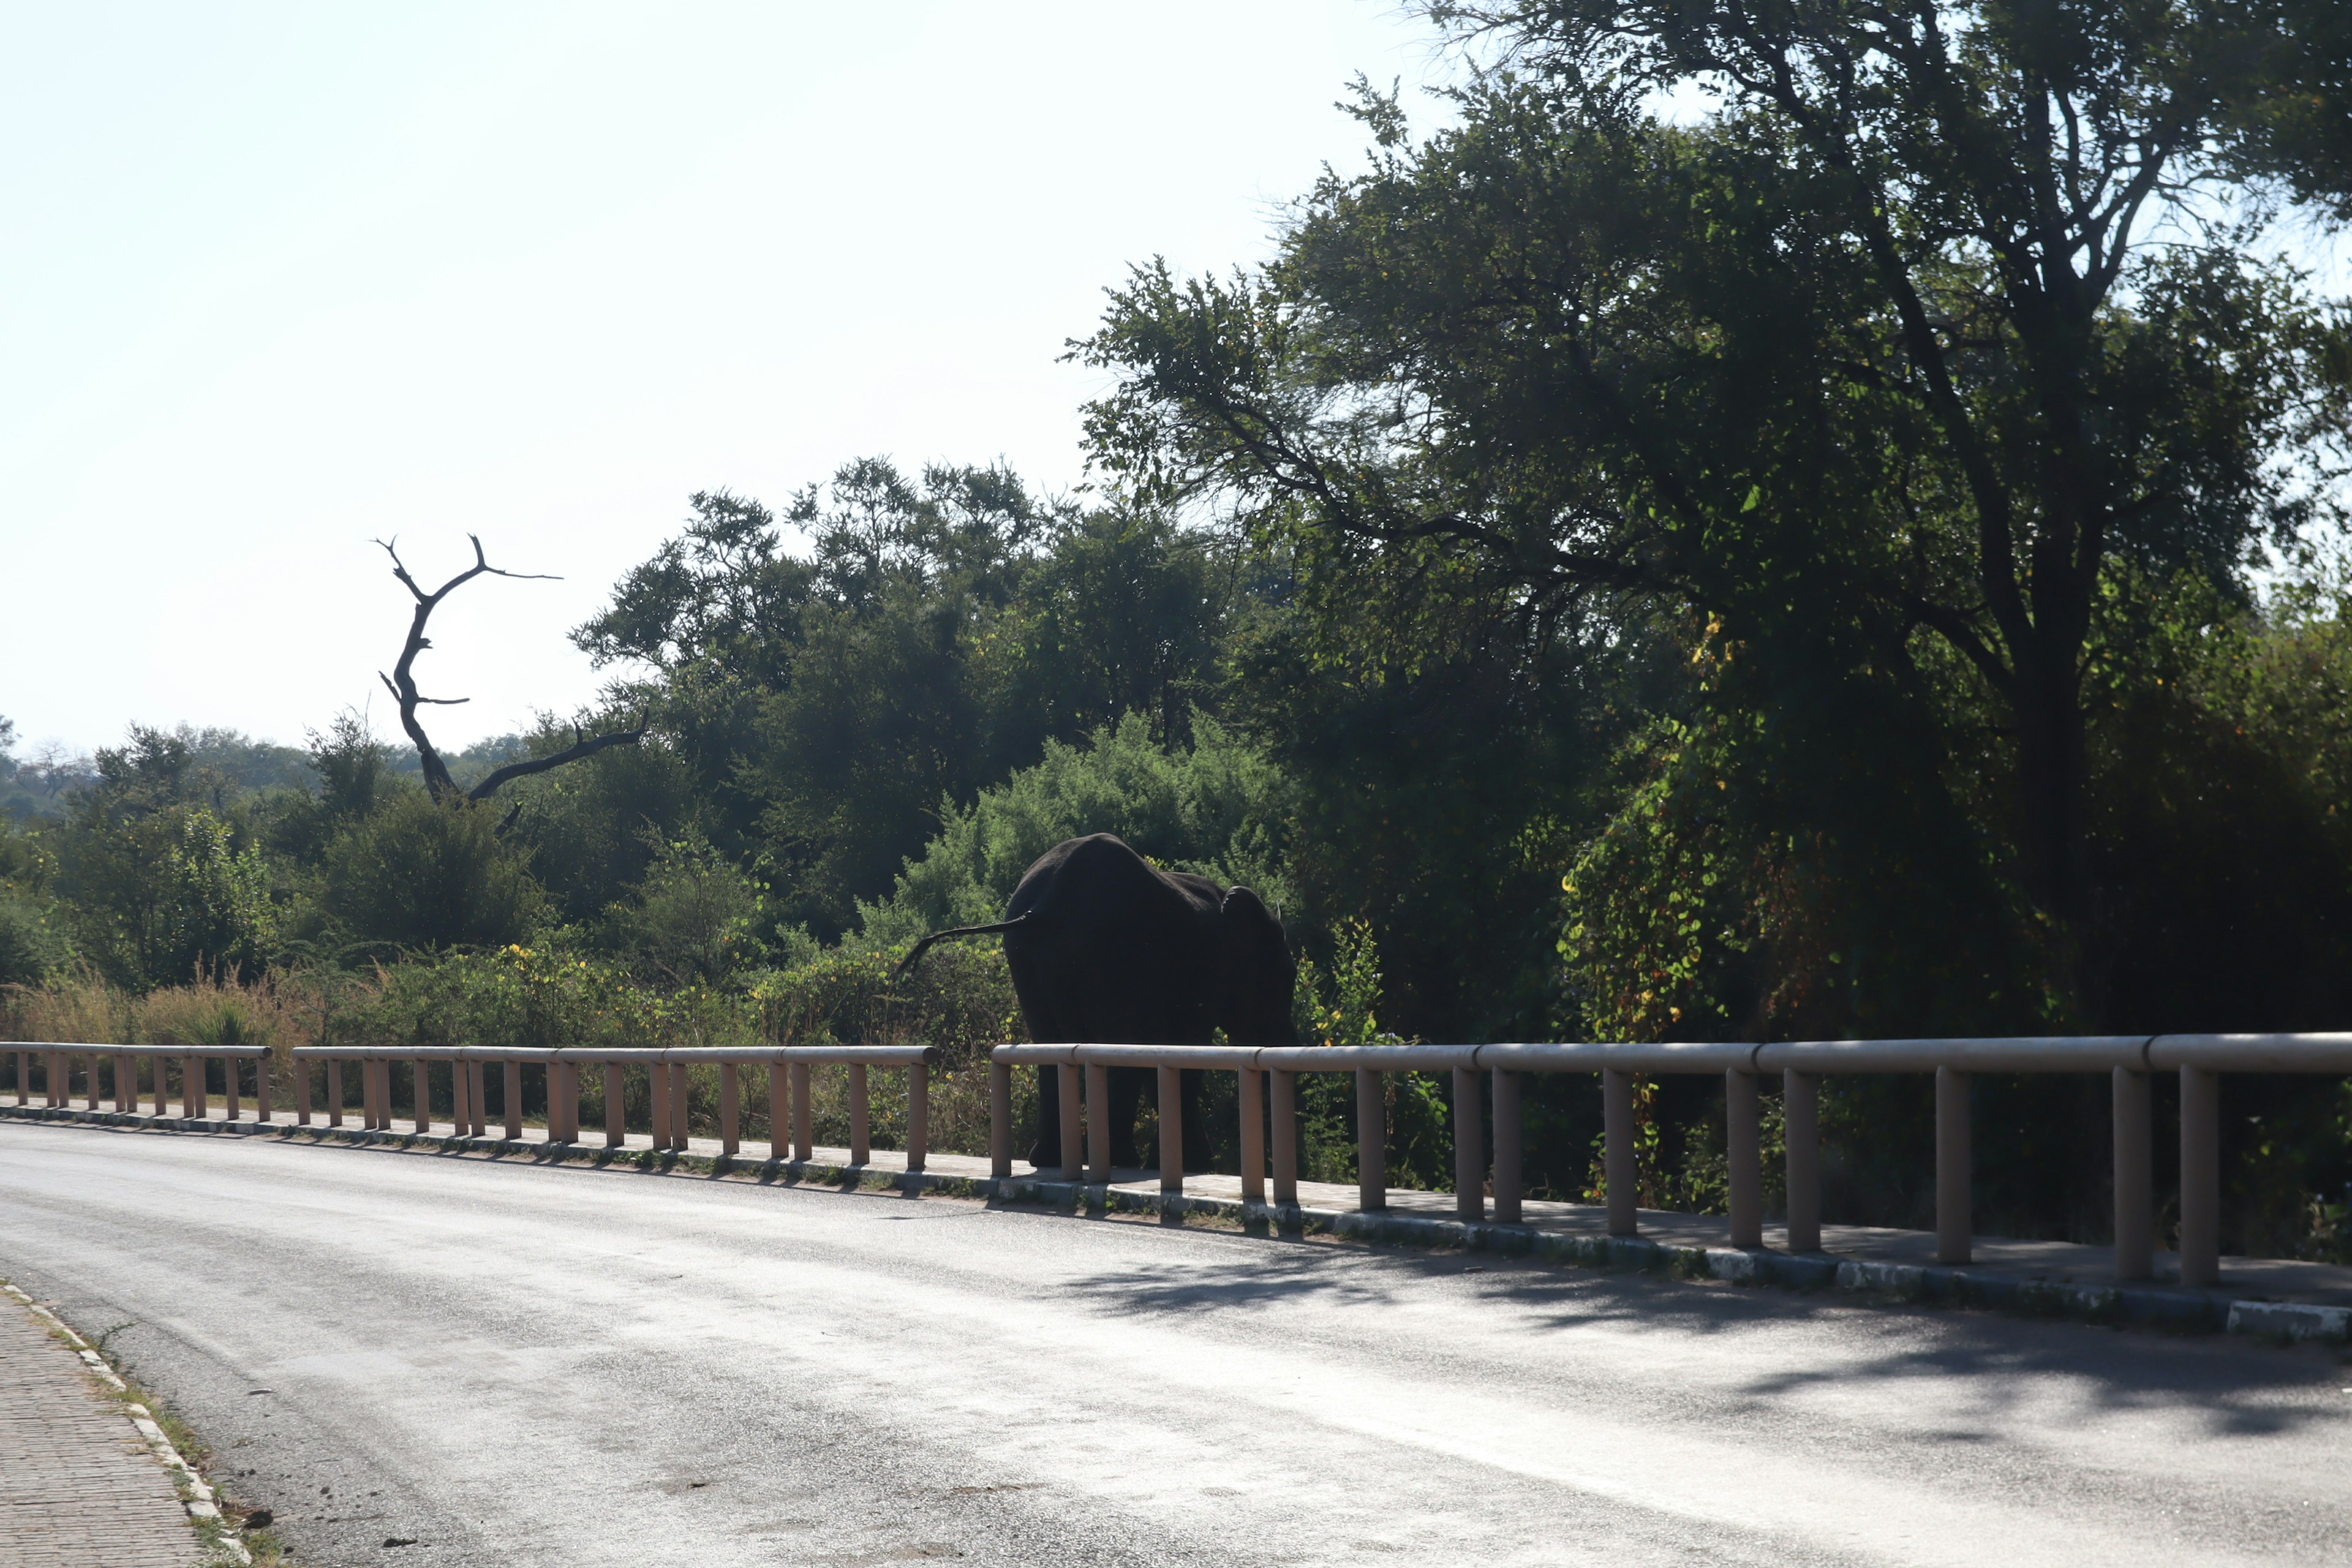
(1891, 341)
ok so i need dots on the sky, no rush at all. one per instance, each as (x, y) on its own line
(280, 280)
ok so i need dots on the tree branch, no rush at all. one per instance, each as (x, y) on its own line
(587, 746)
(402, 681)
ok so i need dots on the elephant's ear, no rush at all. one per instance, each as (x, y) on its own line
(1243, 909)
(1250, 933)
(1258, 973)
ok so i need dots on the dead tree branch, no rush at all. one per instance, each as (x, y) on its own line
(583, 745)
(401, 684)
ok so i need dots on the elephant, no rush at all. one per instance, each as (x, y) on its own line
(1108, 949)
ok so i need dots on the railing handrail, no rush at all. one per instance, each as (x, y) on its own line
(819, 1055)
(2315, 1053)
(85, 1047)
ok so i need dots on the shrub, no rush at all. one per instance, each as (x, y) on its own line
(418, 875)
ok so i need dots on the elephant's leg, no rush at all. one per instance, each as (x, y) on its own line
(1127, 1090)
(1048, 1150)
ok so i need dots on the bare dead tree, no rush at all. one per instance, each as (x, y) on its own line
(401, 684)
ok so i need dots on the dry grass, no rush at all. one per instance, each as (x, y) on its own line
(283, 1012)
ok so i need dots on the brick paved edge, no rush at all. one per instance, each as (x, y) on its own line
(219, 1541)
(2179, 1311)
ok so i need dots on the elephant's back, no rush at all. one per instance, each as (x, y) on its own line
(1111, 948)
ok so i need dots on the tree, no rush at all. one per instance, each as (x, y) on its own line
(157, 883)
(1878, 367)
(401, 684)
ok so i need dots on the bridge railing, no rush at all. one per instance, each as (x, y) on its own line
(59, 1059)
(1268, 1079)
(790, 1109)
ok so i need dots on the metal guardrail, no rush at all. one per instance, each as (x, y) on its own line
(1268, 1077)
(1268, 1084)
(789, 1129)
(58, 1073)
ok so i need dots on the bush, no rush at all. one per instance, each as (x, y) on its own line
(30, 947)
(1216, 809)
(418, 875)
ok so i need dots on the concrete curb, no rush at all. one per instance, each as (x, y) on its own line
(2148, 1306)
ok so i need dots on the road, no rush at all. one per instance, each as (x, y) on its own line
(515, 1365)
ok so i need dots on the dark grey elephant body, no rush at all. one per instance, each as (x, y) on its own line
(1108, 949)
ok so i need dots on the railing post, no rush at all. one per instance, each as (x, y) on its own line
(1469, 1147)
(232, 1110)
(1073, 1159)
(163, 1102)
(420, 1091)
(513, 1087)
(260, 1086)
(657, 1092)
(616, 1106)
(2135, 1198)
(1743, 1153)
(1508, 1170)
(194, 1099)
(681, 1089)
(24, 1082)
(1171, 1130)
(919, 1115)
(1618, 1152)
(779, 1112)
(1097, 1123)
(372, 1082)
(302, 1088)
(1251, 1094)
(91, 1100)
(126, 1086)
(53, 1093)
(1000, 1120)
(1955, 1168)
(1372, 1142)
(730, 1108)
(477, 1099)
(861, 1146)
(2200, 1176)
(1282, 1116)
(461, 1099)
(804, 1116)
(1801, 1118)
(334, 1091)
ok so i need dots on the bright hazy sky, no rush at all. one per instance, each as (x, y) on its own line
(279, 280)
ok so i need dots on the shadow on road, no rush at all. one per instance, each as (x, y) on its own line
(2241, 1388)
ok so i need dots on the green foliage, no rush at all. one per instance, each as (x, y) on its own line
(1215, 807)
(960, 998)
(418, 875)
(1343, 1008)
(696, 917)
(160, 887)
(31, 947)
(1765, 367)
(940, 632)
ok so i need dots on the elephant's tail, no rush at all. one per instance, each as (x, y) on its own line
(923, 946)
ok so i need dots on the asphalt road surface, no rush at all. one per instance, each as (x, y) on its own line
(513, 1366)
